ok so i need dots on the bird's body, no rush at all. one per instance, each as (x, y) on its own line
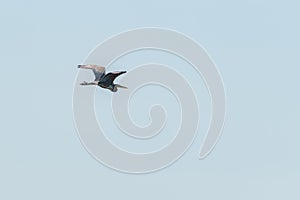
(101, 79)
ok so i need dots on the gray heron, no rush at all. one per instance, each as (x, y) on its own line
(101, 79)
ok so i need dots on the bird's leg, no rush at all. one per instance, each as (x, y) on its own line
(91, 83)
(84, 83)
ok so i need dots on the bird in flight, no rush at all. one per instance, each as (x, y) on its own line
(101, 79)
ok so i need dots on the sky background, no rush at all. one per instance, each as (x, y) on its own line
(255, 45)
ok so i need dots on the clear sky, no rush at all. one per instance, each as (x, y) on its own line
(255, 45)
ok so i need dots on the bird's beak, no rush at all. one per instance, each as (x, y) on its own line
(121, 86)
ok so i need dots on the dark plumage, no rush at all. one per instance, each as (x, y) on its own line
(101, 79)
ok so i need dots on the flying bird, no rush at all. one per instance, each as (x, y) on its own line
(101, 79)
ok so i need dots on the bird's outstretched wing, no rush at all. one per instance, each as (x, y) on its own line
(110, 77)
(99, 71)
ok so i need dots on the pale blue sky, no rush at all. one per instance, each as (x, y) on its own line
(255, 44)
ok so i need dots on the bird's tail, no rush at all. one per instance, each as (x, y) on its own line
(121, 86)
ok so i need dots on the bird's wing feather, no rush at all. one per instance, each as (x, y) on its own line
(110, 77)
(99, 71)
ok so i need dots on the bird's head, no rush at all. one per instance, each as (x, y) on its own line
(114, 89)
(116, 86)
